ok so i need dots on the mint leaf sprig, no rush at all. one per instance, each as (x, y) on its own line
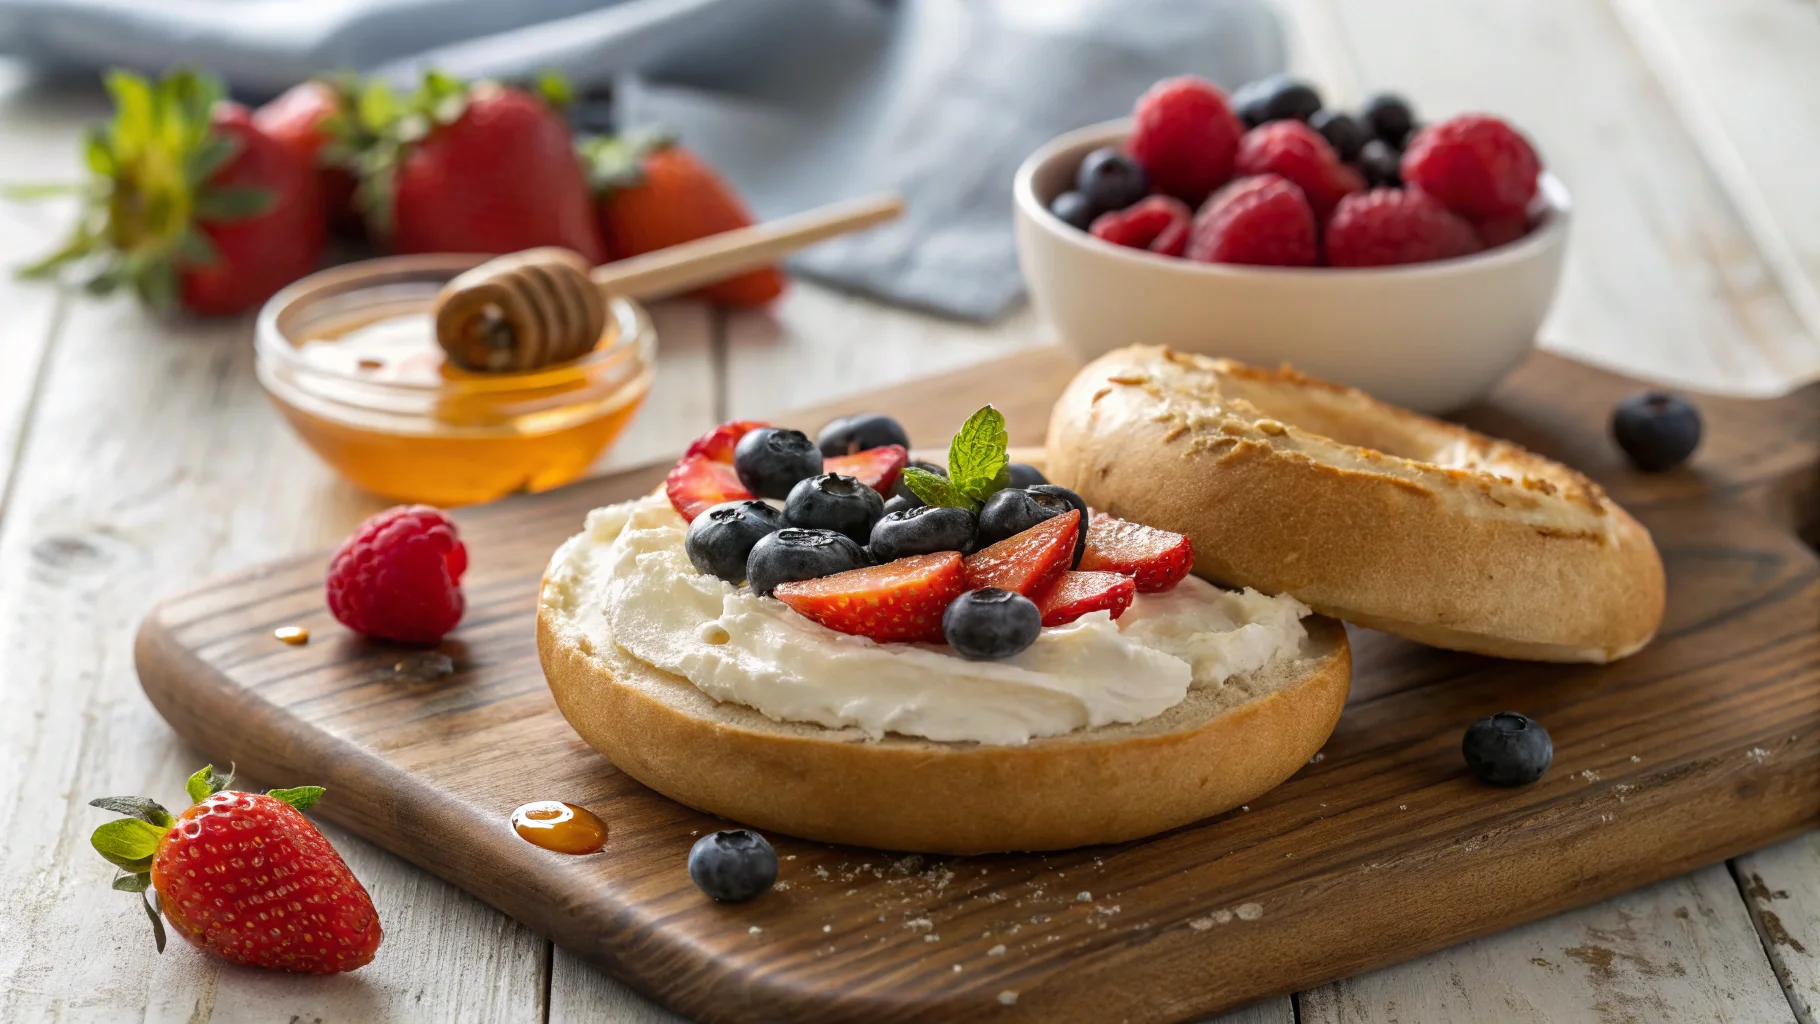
(978, 465)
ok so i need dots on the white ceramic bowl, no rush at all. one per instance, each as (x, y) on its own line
(1429, 336)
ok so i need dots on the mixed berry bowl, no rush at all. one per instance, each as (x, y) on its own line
(1431, 336)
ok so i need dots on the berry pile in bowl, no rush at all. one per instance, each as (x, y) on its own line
(980, 555)
(1415, 261)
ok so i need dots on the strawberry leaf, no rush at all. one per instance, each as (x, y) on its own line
(157, 922)
(233, 202)
(128, 843)
(978, 465)
(205, 783)
(555, 89)
(617, 161)
(936, 490)
(149, 811)
(211, 156)
(133, 882)
(300, 797)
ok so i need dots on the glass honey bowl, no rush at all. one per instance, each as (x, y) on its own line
(349, 356)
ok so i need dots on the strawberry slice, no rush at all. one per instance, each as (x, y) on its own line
(1028, 562)
(718, 444)
(878, 467)
(1156, 559)
(897, 601)
(698, 483)
(1078, 593)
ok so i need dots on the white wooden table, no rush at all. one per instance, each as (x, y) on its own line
(138, 457)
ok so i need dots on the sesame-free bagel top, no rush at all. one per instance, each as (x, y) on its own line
(1364, 511)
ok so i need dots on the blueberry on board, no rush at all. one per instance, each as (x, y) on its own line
(1390, 117)
(902, 489)
(1345, 133)
(1023, 474)
(1111, 180)
(1507, 749)
(851, 434)
(721, 539)
(1074, 210)
(1380, 164)
(989, 624)
(770, 461)
(1276, 98)
(830, 501)
(922, 530)
(793, 554)
(732, 866)
(1013, 510)
(1656, 429)
(1075, 502)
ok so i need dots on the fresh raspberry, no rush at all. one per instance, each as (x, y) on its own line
(1502, 230)
(1387, 226)
(1475, 164)
(399, 576)
(1264, 221)
(1158, 223)
(1185, 135)
(1300, 154)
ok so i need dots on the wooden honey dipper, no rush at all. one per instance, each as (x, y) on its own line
(533, 308)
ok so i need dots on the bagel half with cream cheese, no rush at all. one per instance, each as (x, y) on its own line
(1216, 748)
(1364, 511)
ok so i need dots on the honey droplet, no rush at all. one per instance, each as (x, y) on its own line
(558, 826)
(296, 636)
(369, 363)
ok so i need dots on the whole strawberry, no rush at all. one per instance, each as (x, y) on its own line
(1263, 221)
(1185, 134)
(481, 168)
(1475, 164)
(1299, 153)
(190, 204)
(399, 576)
(244, 876)
(1389, 226)
(317, 122)
(654, 194)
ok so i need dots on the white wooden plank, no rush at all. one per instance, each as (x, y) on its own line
(1745, 76)
(580, 992)
(818, 344)
(1663, 278)
(681, 403)
(1679, 951)
(151, 463)
(1782, 889)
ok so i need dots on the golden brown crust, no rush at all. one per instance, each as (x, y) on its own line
(1097, 786)
(1364, 511)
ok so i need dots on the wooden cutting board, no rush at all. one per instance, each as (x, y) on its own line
(1705, 745)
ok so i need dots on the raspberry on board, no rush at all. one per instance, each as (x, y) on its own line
(1300, 154)
(1389, 226)
(1185, 134)
(1263, 221)
(1477, 165)
(399, 576)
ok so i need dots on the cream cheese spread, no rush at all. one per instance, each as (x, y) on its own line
(627, 580)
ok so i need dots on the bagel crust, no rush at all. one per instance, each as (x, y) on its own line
(1361, 510)
(1217, 749)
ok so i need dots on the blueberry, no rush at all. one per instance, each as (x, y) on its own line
(851, 434)
(902, 489)
(989, 624)
(1111, 180)
(793, 554)
(1507, 749)
(901, 503)
(1074, 210)
(1345, 133)
(1277, 98)
(830, 501)
(732, 866)
(919, 531)
(1380, 164)
(770, 461)
(1390, 117)
(1023, 474)
(720, 539)
(1014, 510)
(1076, 502)
(1656, 429)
